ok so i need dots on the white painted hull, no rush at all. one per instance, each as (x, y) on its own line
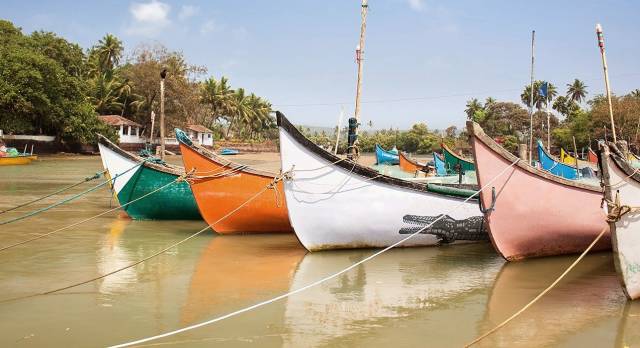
(333, 208)
(117, 166)
(626, 233)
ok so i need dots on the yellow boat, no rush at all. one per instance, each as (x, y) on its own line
(15, 160)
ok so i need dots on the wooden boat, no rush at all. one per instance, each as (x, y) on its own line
(174, 202)
(220, 186)
(386, 157)
(441, 167)
(592, 156)
(535, 213)
(622, 188)
(17, 160)
(554, 165)
(453, 160)
(229, 152)
(410, 165)
(334, 203)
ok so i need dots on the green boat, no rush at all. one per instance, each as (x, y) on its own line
(134, 177)
(452, 160)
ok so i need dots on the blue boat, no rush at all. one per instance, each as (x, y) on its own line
(441, 168)
(554, 166)
(386, 157)
(228, 152)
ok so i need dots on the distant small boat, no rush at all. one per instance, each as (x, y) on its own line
(386, 157)
(592, 156)
(335, 203)
(534, 212)
(441, 166)
(410, 165)
(453, 161)
(229, 152)
(565, 157)
(554, 165)
(175, 202)
(622, 189)
(221, 186)
(17, 160)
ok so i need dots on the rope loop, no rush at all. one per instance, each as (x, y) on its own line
(618, 210)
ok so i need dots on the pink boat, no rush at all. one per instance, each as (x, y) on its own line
(531, 212)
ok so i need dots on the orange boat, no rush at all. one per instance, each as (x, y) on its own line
(409, 165)
(220, 186)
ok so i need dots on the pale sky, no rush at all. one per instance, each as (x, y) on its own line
(423, 59)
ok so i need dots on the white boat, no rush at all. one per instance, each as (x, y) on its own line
(334, 203)
(622, 189)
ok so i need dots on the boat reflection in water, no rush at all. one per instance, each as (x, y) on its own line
(629, 328)
(371, 301)
(580, 310)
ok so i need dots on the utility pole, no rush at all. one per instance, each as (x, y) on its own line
(163, 74)
(359, 60)
(533, 40)
(600, 36)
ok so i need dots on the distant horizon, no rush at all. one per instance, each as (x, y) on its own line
(423, 60)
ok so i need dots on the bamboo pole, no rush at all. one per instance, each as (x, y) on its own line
(163, 74)
(575, 155)
(359, 59)
(338, 132)
(600, 36)
(533, 40)
(548, 123)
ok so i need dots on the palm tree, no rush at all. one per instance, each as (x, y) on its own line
(489, 101)
(218, 96)
(109, 51)
(635, 93)
(106, 92)
(242, 110)
(576, 91)
(473, 105)
(538, 100)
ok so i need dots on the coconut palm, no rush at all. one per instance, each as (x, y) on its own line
(538, 100)
(217, 95)
(242, 111)
(576, 91)
(473, 105)
(105, 95)
(109, 51)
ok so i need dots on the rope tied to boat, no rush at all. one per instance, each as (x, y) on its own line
(273, 185)
(622, 181)
(618, 210)
(87, 179)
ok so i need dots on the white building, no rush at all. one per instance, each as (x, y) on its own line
(128, 131)
(200, 134)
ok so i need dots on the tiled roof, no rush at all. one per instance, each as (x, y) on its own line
(199, 128)
(117, 120)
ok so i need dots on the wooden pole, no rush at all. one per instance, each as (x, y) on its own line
(533, 41)
(163, 74)
(575, 155)
(153, 120)
(338, 132)
(600, 36)
(548, 124)
(359, 60)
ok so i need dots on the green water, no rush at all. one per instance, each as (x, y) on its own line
(438, 297)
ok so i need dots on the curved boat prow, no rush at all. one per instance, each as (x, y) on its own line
(534, 213)
(622, 191)
(335, 203)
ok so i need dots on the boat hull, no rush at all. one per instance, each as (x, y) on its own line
(408, 165)
(453, 161)
(555, 166)
(17, 160)
(626, 231)
(536, 214)
(174, 202)
(334, 204)
(386, 157)
(219, 196)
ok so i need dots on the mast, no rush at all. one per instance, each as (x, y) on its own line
(163, 74)
(548, 122)
(533, 40)
(359, 60)
(600, 36)
(338, 132)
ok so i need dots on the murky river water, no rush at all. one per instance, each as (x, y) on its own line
(440, 297)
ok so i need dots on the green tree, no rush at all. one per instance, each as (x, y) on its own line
(576, 91)
(538, 100)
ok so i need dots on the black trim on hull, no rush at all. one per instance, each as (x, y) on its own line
(358, 169)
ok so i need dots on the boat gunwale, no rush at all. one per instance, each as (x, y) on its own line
(460, 158)
(165, 168)
(622, 164)
(210, 155)
(476, 131)
(355, 168)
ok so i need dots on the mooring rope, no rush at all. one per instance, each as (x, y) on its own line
(544, 292)
(617, 210)
(271, 185)
(67, 200)
(313, 284)
(92, 217)
(623, 180)
(87, 179)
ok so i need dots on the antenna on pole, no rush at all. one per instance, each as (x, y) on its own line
(359, 60)
(533, 40)
(600, 36)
